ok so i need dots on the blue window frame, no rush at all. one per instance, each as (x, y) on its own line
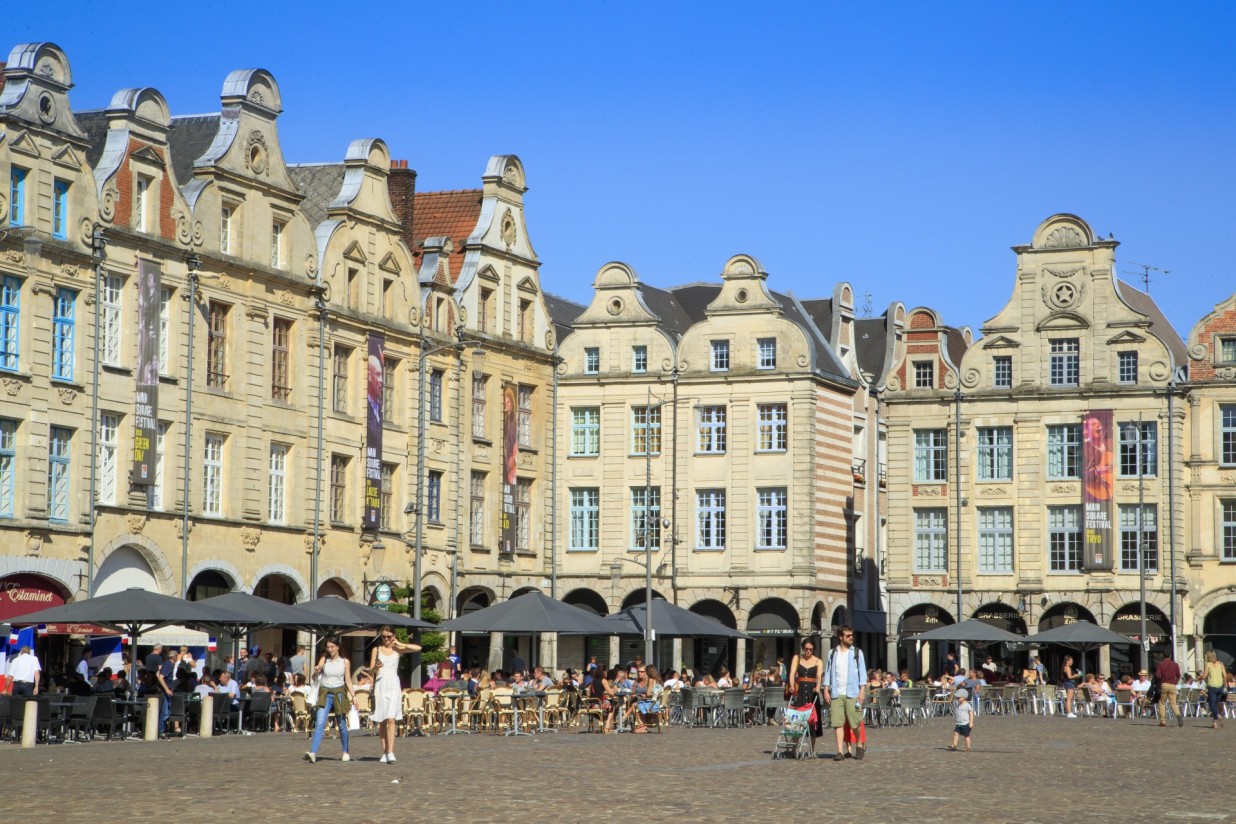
(62, 335)
(58, 456)
(60, 208)
(8, 465)
(10, 322)
(17, 196)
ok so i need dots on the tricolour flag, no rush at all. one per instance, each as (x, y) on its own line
(212, 644)
(42, 630)
(14, 638)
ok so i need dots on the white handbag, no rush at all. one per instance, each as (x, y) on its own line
(311, 694)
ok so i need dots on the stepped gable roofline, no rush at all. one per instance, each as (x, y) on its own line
(1160, 327)
(37, 79)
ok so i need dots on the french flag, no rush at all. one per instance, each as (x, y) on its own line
(212, 644)
(124, 640)
(14, 638)
(42, 630)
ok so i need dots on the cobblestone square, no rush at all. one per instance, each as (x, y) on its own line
(1023, 769)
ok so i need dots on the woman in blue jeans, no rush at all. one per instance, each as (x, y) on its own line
(334, 695)
(1216, 681)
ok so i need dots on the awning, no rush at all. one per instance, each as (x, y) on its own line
(768, 623)
(870, 620)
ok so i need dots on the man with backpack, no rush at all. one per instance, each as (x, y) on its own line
(845, 685)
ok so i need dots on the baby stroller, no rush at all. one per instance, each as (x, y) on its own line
(794, 737)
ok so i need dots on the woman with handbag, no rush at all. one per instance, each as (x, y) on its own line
(333, 677)
(806, 671)
(1216, 687)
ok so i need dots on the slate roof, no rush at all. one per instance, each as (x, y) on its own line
(821, 311)
(1139, 301)
(189, 138)
(871, 343)
(668, 306)
(955, 344)
(319, 183)
(452, 214)
(93, 124)
(562, 312)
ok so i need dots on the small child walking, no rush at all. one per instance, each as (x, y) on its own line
(964, 716)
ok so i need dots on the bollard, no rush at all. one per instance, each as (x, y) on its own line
(30, 724)
(206, 726)
(152, 719)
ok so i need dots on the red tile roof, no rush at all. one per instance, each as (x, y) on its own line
(450, 214)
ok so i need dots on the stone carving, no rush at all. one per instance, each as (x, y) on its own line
(1199, 351)
(285, 297)
(1064, 273)
(928, 491)
(184, 230)
(309, 542)
(85, 230)
(894, 383)
(4, 207)
(1158, 371)
(1228, 478)
(67, 394)
(414, 316)
(34, 541)
(180, 528)
(994, 491)
(256, 311)
(257, 97)
(508, 228)
(69, 270)
(255, 149)
(15, 256)
(107, 204)
(525, 459)
(950, 380)
(249, 537)
(971, 378)
(311, 265)
(511, 174)
(1064, 489)
(136, 523)
(550, 339)
(11, 386)
(1063, 295)
(614, 307)
(47, 108)
(437, 445)
(1133, 487)
(199, 234)
(225, 282)
(480, 452)
(803, 361)
(1065, 237)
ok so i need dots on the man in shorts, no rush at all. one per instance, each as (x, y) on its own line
(845, 685)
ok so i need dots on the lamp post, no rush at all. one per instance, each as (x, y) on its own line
(98, 245)
(193, 263)
(418, 507)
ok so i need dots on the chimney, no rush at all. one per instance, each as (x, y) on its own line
(401, 185)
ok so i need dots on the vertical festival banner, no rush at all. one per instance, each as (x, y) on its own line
(373, 433)
(1098, 489)
(146, 406)
(510, 457)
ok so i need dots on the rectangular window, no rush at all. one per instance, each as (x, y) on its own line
(109, 450)
(924, 375)
(720, 355)
(111, 318)
(771, 518)
(592, 361)
(59, 455)
(1229, 530)
(585, 519)
(390, 375)
(165, 324)
(141, 204)
(772, 427)
(995, 534)
(277, 485)
(586, 430)
(478, 406)
(523, 515)
(17, 196)
(1064, 452)
(995, 453)
(766, 353)
(433, 498)
(711, 429)
(388, 292)
(1065, 362)
(1126, 367)
(523, 417)
(645, 430)
(281, 360)
(930, 455)
(931, 540)
(276, 245)
(645, 517)
(387, 497)
(1139, 459)
(338, 489)
(710, 519)
(1227, 350)
(339, 379)
(8, 466)
(154, 492)
(62, 334)
(353, 293)
(10, 322)
(225, 230)
(639, 359)
(60, 209)
(216, 345)
(484, 307)
(1227, 435)
(1064, 538)
(525, 320)
(435, 395)
(476, 510)
(1002, 372)
(1129, 526)
(212, 475)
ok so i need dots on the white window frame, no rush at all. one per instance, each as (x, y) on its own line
(156, 493)
(165, 326)
(225, 228)
(1064, 452)
(710, 523)
(476, 509)
(1227, 435)
(646, 430)
(212, 474)
(995, 540)
(766, 353)
(720, 357)
(277, 242)
(771, 518)
(930, 456)
(523, 416)
(1126, 368)
(924, 374)
(1131, 458)
(585, 513)
(1064, 361)
(109, 452)
(931, 540)
(639, 359)
(277, 484)
(592, 360)
(995, 453)
(1002, 372)
(479, 387)
(59, 473)
(1126, 518)
(772, 427)
(585, 431)
(710, 430)
(1227, 529)
(1064, 539)
(8, 467)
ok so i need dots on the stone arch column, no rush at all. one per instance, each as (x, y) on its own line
(151, 554)
(286, 571)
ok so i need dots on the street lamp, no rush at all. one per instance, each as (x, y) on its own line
(418, 507)
(192, 263)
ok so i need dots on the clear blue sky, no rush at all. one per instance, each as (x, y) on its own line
(902, 147)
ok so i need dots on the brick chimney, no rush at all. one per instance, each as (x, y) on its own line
(401, 185)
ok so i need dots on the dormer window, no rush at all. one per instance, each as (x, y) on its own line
(639, 359)
(1002, 372)
(767, 353)
(141, 204)
(1126, 367)
(592, 361)
(225, 230)
(924, 375)
(1227, 350)
(276, 244)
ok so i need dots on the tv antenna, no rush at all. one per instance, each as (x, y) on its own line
(1144, 274)
(866, 304)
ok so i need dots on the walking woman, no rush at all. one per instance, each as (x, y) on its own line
(1068, 679)
(387, 697)
(334, 695)
(806, 671)
(1216, 681)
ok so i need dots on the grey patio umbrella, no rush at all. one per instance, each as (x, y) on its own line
(971, 631)
(1082, 636)
(340, 612)
(532, 612)
(263, 612)
(671, 621)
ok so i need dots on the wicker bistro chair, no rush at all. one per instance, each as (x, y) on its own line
(591, 716)
(415, 711)
(479, 709)
(302, 717)
(555, 708)
(503, 713)
(363, 702)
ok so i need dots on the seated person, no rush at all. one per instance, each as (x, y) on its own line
(78, 686)
(773, 678)
(363, 682)
(259, 684)
(540, 681)
(904, 681)
(723, 678)
(184, 682)
(103, 683)
(227, 686)
(121, 686)
(299, 687)
(205, 686)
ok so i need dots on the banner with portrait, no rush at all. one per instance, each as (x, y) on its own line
(510, 463)
(146, 403)
(375, 370)
(1098, 490)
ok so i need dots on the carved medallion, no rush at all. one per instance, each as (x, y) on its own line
(1063, 295)
(107, 204)
(285, 297)
(11, 386)
(255, 150)
(614, 307)
(1065, 237)
(311, 265)
(136, 523)
(67, 394)
(508, 228)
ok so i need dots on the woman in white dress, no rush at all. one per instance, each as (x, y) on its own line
(387, 696)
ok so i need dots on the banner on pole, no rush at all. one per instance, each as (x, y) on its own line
(146, 407)
(373, 433)
(1098, 490)
(510, 462)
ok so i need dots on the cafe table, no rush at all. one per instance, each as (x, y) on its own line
(520, 701)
